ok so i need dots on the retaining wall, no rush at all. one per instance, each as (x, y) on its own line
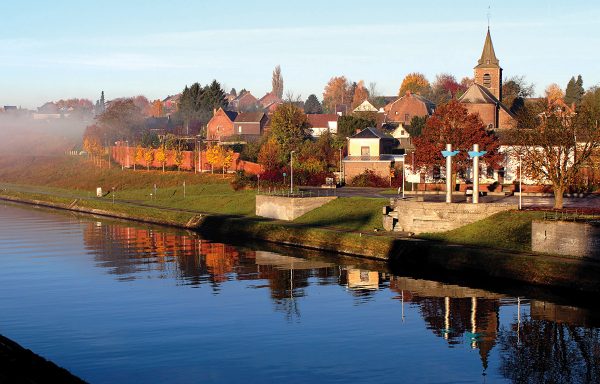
(419, 217)
(566, 238)
(288, 208)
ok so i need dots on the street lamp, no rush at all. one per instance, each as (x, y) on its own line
(258, 177)
(292, 172)
(520, 181)
(127, 142)
(403, 174)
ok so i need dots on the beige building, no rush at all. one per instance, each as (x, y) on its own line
(371, 149)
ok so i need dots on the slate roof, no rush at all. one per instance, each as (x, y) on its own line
(372, 133)
(249, 117)
(230, 114)
(488, 56)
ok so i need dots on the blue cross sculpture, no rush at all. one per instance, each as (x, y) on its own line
(450, 153)
(474, 154)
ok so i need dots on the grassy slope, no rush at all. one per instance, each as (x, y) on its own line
(506, 230)
(349, 213)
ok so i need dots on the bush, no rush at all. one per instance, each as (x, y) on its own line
(243, 180)
(369, 179)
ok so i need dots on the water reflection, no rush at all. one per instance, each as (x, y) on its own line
(542, 342)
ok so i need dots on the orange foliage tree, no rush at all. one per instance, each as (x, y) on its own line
(337, 92)
(360, 94)
(415, 82)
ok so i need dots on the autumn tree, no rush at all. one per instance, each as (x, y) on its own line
(555, 146)
(338, 91)
(148, 157)
(218, 156)
(445, 88)
(277, 82)
(360, 94)
(270, 154)
(139, 155)
(156, 109)
(591, 100)
(415, 82)
(451, 123)
(313, 105)
(161, 156)
(289, 127)
(554, 94)
(121, 120)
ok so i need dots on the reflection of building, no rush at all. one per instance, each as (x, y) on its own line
(363, 279)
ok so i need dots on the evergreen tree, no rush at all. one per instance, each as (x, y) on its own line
(580, 90)
(102, 102)
(571, 91)
(313, 105)
(233, 92)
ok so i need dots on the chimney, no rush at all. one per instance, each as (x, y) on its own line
(214, 111)
(357, 130)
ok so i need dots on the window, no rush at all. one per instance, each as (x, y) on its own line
(239, 129)
(406, 117)
(487, 80)
(365, 151)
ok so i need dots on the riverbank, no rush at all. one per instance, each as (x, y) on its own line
(427, 255)
(20, 365)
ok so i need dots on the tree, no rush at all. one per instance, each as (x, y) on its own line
(197, 103)
(338, 91)
(514, 92)
(289, 127)
(591, 100)
(148, 157)
(122, 120)
(415, 82)
(139, 156)
(270, 154)
(313, 105)
(156, 109)
(453, 124)
(574, 91)
(161, 156)
(233, 92)
(360, 94)
(218, 156)
(277, 82)
(554, 93)
(417, 123)
(445, 88)
(348, 125)
(556, 146)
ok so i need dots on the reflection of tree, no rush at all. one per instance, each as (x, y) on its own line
(550, 352)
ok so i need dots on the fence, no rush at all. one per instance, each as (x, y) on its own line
(285, 192)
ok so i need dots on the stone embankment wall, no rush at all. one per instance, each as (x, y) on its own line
(288, 208)
(420, 217)
(566, 238)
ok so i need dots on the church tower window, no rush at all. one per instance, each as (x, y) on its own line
(487, 80)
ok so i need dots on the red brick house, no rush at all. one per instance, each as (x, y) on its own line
(248, 126)
(220, 125)
(483, 97)
(403, 109)
(245, 102)
(270, 101)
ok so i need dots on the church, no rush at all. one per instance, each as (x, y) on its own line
(485, 95)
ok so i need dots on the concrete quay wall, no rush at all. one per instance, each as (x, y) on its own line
(288, 208)
(420, 217)
(566, 238)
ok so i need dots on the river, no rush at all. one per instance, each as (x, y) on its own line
(117, 302)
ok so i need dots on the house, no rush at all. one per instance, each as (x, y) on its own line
(220, 125)
(371, 149)
(321, 123)
(403, 109)
(245, 102)
(270, 101)
(483, 97)
(366, 106)
(248, 126)
(170, 104)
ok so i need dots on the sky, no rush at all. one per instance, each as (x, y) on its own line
(65, 49)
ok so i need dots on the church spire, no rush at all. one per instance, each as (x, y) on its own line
(488, 56)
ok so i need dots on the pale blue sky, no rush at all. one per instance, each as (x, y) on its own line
(63, 49)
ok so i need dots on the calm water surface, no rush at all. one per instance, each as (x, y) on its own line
(119, 302)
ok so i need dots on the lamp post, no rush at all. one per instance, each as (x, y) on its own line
(403, 174)
(127, 142)
(448, 154)
(520, 182)
(292, 172)
(258, 177)
(475, 154)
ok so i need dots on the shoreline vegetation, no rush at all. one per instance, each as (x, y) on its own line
(497, 247)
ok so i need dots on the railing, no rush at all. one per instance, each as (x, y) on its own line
(285, 192)
(571, 215)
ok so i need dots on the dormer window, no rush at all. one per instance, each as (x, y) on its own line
(487, 80)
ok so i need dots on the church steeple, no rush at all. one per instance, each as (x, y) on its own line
(488, 56)
(487, 71)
